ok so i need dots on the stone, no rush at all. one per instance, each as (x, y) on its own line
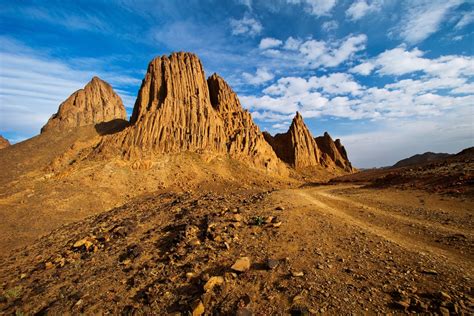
(297, 274)
(279, 208)
(212, 282)
(96, 103)
(444, 311)
(4, 143)
(276, 225)
(272, 263)
(48, 265)
(241, 265)
(237, 218)
(85, 242)
(198, 308)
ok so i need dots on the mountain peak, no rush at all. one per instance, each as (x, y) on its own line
(97, 102)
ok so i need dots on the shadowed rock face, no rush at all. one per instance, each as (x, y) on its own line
(333, 153)
(4, 142)
(96, 103)
(177, 110)
(296, 147)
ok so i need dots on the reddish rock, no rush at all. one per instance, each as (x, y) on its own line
(177, 110)
(96, 103)
(333, 153)
(4, 142)
(296, 147)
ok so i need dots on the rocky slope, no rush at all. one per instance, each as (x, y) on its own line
(96, 103)
(4, 142)
(296, 147)
(177, 110)
(333, 153)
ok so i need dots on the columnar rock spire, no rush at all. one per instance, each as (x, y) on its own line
(177, 109)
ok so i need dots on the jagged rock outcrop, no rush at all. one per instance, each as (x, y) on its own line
(4, 142)
(96, 103)
(177, 109)
(296, 147)
(333, 153)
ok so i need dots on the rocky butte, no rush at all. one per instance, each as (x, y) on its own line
(177, 110)
(96, 103)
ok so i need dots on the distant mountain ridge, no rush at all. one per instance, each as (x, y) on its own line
(420, 158)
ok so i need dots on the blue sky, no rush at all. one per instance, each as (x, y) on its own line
(390, 78)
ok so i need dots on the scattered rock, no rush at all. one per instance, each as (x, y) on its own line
(279, 208)
(297, 274)
(213, 281)
(276, 225)
(272, 263)
(198, 308)
(237, 218)
(241, 265)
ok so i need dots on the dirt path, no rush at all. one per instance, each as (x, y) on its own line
(389, 226)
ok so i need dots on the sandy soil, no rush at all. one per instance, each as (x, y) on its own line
(337, 249)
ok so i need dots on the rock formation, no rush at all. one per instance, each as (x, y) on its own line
(177, 109)
(96, 103)
(4, 142)
(297, 146)
(333, 153)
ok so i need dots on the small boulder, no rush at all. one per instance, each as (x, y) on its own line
(241, 265)
(198, 308)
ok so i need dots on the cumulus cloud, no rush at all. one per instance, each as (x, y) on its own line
(329, 26)
(400, 61)
(313, 53)
(269, 42)
(360, 8)
(316, 7)
(424, 18)
(261, 76)
(248, 25)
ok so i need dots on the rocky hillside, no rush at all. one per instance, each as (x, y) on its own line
(96, 103)
(178, 110)
(4, 142)
(420, 158)
(299, 149)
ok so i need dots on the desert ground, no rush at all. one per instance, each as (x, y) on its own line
(334, 249)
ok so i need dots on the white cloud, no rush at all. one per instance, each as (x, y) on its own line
(316, 7)
(292, 43)
(399, 61)
(329, 26)
(246, 26)
(466, 19)
(269, 42)
(360, 8)
(261, 76)
(319, 53)
(424, 18)
(363, 69)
